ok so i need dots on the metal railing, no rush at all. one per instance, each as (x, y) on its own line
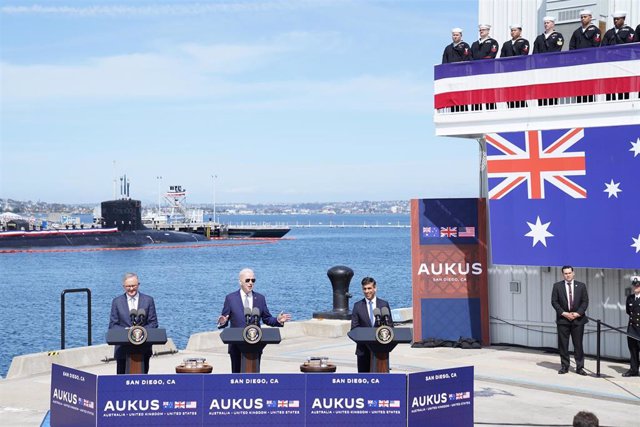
(62, 314)
(599, 324)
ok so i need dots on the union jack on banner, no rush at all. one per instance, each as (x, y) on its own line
(283, 403)
(536, 164)
(448, 231)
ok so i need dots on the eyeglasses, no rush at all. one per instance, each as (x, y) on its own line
(132, 286)
(249, 280)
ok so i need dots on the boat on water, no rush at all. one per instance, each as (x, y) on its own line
(121, 225)
(178, 217)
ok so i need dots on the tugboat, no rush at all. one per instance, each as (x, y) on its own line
(179, 218)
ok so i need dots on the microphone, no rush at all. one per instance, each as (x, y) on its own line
(142, 315)
(132, 315)
(247, 315)
(386, 316)
(376, 315)
(255, 316)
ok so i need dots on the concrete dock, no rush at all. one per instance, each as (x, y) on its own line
(513, 386)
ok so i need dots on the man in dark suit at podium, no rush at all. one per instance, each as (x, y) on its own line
(233, 311)
(570, 300)
(121, 307)
(362, 317)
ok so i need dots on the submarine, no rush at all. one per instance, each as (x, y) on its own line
(121, 225)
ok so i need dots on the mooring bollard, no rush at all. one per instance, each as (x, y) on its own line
(340, 277)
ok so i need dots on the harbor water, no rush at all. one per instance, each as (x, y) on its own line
(189, 283)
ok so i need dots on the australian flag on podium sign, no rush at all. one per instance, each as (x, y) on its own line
(569, 196)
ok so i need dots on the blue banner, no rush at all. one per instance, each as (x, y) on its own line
(565, 197)
(240, 399)
(158, 400)
(356, 399)
(441, 398)
(73, 397)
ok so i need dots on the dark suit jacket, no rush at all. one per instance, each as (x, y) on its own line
(360, 318)
(120, 316)
(234, 308)
(561, 304)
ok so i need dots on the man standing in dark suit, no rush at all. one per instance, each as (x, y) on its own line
(233, 311)
(633, 310)
(121, 307)
(362, 317)
(570, 300)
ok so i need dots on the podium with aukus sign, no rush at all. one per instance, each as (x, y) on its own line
(381, 341)
(251, 340)
(137, 340)
(442, 398)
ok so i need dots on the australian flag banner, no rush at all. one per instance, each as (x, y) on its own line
(569, 196)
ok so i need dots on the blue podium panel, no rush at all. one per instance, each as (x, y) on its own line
(154, 400)
(73, 397)
(254, 399)
(441, 398)
(451, 318)
(356, 399)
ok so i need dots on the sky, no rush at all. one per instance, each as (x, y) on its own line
(255, 101)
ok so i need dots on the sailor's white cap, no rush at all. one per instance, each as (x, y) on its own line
(585, 12)
(635, 280)
(619, 14)
(549, 18)
(515, 26)
(456, 30)
(484, 27)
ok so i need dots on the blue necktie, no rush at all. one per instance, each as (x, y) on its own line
(371, 312)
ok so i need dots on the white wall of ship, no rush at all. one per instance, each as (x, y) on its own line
(500, 14)
(521, 295)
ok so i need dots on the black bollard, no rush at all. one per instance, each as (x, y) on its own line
(340, 277)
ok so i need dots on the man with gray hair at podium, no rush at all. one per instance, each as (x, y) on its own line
(121, 317)
(233, 312)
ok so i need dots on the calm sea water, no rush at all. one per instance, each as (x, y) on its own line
(189, 284)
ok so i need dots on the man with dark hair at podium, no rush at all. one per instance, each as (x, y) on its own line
(121, 307)
(233, 311)
(363, 317)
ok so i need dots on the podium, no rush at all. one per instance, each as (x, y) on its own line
(250, 353)
(135, 352)
(380, 351)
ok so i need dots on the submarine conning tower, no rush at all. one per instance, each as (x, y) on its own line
(125, 214)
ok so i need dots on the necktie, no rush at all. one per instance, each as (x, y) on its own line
(371, 312)
(246, 301)
(570, 296)
(132, 303)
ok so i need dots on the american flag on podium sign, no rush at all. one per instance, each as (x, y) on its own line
(569, 196)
